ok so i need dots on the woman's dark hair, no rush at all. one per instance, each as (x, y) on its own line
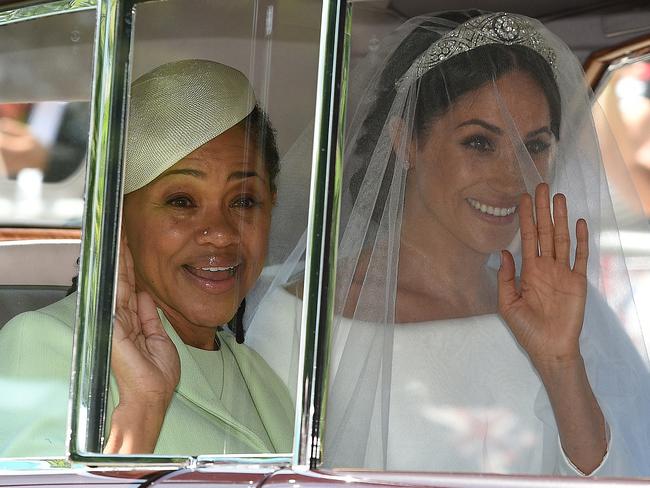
(439, 88)
(442, 85)
(259, 126)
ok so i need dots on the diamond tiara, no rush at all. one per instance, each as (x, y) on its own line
(495, 28)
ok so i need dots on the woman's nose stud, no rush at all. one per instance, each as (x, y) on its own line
(205, 232)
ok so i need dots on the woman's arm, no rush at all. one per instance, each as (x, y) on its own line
(545, 313)
(579, 419)
(146, 366)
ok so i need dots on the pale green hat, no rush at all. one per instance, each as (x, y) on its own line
(175, 109)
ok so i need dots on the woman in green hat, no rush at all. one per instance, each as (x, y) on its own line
(200, 168)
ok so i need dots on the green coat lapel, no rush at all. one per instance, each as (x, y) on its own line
(193, 386)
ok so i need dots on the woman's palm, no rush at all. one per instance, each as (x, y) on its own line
(144, 359)
(546, 311)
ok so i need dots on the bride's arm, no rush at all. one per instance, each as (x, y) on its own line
(545, 313)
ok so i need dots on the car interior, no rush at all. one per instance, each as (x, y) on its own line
(172, 30)
(40, 218)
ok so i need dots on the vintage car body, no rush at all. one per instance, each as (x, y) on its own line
(336, 34)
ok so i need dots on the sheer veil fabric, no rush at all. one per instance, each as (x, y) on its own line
(451, 120)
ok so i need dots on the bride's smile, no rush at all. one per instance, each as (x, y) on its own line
(493, 212)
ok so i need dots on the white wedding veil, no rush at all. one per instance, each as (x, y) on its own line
(424, 376)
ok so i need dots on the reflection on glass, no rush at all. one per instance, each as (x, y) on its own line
(42, 143)
(622, 117)
(45, 76)
(625, 100)
(44, 116)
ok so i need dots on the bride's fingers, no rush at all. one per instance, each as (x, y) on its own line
(582, 247)
(544, 222)
(527, 228)
(561, 237)
(507, 287)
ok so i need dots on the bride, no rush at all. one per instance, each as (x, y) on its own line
(473, 332)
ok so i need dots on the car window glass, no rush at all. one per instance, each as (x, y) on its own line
(217, 168)
(623, 106)
(446, 202)
(45, 115)
(45, 75)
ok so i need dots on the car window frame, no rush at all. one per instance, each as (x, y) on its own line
(100, 238)
(600, 64)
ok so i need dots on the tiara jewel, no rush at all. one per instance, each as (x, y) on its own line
(495, 28)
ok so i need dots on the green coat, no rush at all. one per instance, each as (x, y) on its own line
(227, 402)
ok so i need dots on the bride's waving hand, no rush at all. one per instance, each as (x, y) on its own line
(545, 312)
(546, 309)
(445, 363)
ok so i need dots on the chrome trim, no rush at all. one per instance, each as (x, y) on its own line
(322, 234)
(101, 224)
(265, 461)
(44, 9)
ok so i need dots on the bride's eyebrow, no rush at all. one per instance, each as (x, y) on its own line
(481, 123)
(542, 130)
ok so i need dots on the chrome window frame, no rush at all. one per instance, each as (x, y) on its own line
(322, 233)
(44, 8)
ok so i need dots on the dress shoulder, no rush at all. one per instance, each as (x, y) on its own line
(35, 362)
(39, 340)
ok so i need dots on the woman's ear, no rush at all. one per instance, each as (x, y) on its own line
(401, 142)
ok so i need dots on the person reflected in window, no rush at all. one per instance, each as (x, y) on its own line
(48, 136)
(200, 168)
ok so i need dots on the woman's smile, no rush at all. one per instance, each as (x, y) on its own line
(498, 214)
(467, 168)
(213, 279)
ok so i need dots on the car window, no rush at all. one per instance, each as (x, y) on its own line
(429, 367)
(220, 115)
(44, 129)
(623, 116)
(45, 115)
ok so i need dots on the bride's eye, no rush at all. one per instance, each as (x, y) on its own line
(479, 143)
(537, 146)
